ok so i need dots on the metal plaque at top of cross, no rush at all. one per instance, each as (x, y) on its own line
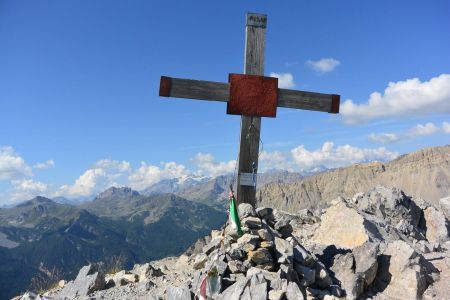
(251, 95)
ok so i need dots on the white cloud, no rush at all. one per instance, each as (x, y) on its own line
(208, 166)
(384, 138)
(105, 173)
(285, 80)
(147, 175)
(323, 65)
(403, 98)
(108, 164)
(446, 127)
(330, 157)
(12, 166)
(273, 160)
(26, 189)
(421, 130)
(48, 164)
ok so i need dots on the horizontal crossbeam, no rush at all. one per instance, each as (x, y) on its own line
(219, 91)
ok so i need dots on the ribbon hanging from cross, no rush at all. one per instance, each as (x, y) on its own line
(251, 95)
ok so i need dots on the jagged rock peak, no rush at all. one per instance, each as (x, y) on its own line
(35, 201)
(117, 192)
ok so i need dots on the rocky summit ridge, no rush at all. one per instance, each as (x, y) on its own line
(424, 173)
(381, 244)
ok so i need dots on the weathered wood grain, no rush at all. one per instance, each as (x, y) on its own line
(199, 89)
(304, 100)
(255, 42)
(219, 91)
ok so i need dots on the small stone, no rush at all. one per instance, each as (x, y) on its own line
(200, 260)
(308, 276)
(283, 250)
(302, 256)
(235, 291)
(423, 246)
(288, 273)
(316, 293)
(236, 276)
(260, 256)
(266, 244)
(247, 263)
(216, 234)
(211, 246)
(293, 292)
(276, 295)
(146, 271)
(246, 210)
(284, 227)
(264, 212)
(252, 271)
(267, 266)
(61, 283)
(237, 254)
(226, 282)
(335, 290)
(109, 283)
(444, 204)
(178, 293)
(252, 222)
(265, 235)
(247, 242)
(305, 213)
(123, 278)
(323, 279)
(236, 266)
(146, 285)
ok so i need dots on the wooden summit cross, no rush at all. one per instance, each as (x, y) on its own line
(252, 96)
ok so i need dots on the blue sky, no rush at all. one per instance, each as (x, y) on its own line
(79, 105)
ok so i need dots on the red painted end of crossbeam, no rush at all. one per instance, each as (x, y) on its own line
(164, 86)
(335, 102)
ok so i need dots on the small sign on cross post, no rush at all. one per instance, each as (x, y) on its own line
(252, 96)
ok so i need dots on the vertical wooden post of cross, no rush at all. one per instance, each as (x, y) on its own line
(255, 41)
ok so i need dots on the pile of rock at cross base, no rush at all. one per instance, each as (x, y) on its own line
(378, 245)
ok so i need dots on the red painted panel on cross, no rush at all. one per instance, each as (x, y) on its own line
(252, 95)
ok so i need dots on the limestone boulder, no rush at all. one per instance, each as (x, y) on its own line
(437, 225)
(444, 204)
(343, 227)
(344, 271)
(88, 280)
(403, 273)
(366, 262)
